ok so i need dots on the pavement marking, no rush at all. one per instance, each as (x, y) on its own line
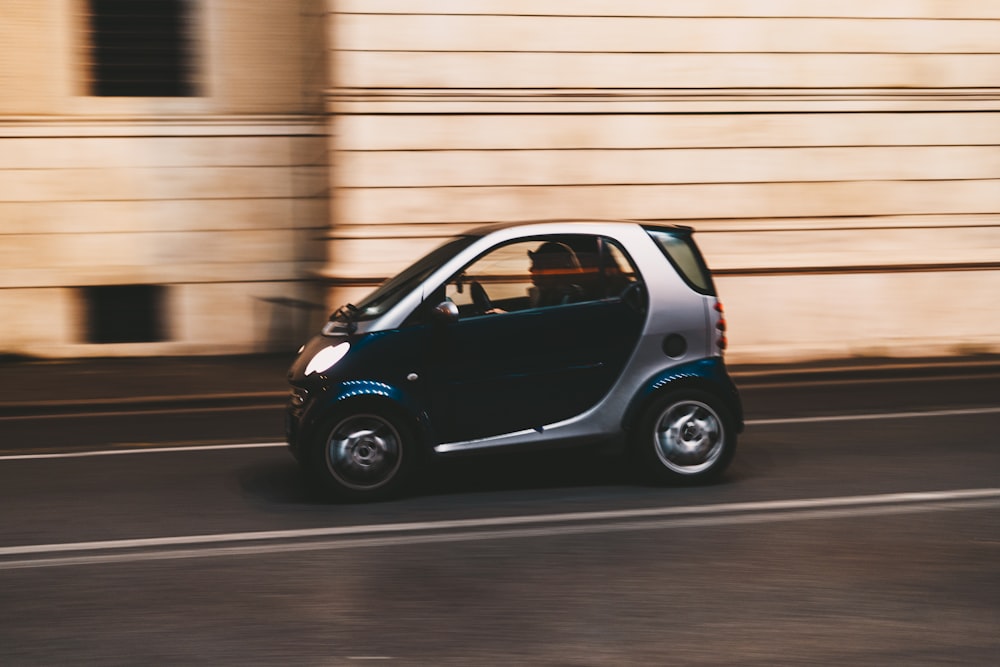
(491, 534)
(369, 657)
(750, 422)
(520, 526)
(141, 412)
(144, 450)
(874, 415)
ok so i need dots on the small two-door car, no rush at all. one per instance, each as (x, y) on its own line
(522, 335)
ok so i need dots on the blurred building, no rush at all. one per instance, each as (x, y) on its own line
(162, 175)
(837, 157)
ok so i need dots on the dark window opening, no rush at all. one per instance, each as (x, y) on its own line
(125, 313)
(141, 48)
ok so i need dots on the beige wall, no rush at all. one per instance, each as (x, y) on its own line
(220, 197)
(838, 159)
(251, 57)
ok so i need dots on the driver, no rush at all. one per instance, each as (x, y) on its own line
(555, 275)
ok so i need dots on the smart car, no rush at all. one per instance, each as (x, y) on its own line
(522, 336)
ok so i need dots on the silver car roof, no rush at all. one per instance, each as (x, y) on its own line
(630, 233)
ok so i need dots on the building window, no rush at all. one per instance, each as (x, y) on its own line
(141, 48)
(125, 313)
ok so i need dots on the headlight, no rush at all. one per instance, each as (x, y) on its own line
(324, 360)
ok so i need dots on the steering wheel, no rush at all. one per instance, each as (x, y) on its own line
(634, 296)
(480, 297)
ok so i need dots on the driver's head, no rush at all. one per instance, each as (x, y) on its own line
(553, 262)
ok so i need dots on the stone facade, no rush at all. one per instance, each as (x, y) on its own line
(838, 159)
(215, 203)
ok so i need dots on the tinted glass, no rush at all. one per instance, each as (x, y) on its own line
(141, 48)
(542, 272)
(393, 290)
(683, 254)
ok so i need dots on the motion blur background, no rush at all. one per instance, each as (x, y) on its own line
(213, 176)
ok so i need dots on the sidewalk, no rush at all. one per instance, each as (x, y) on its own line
(97, 383)
(27, 385)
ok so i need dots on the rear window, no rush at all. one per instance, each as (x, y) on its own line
(680, 249)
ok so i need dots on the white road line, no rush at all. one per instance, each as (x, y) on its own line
(874, 415)
(369, 657)
(142, 450)
(145, 412)
(934, 502)
(750, 422)
(495, 522)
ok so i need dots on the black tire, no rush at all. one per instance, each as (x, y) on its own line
(363, 452)
(684, 437)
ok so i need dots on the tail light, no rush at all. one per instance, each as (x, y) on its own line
(720, 327)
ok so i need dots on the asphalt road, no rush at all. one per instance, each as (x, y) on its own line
(859, 524)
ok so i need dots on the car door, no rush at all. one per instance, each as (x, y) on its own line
(521, 362)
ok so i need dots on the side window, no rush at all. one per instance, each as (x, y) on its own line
(141, 49)
(680, 249)
(502, 276)
(542, 272)
(614, 272)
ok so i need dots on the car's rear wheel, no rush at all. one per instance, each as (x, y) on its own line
(685, 436)
(363, 453)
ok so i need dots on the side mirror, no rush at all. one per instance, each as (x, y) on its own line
(445, 312)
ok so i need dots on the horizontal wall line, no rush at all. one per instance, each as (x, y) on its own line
(694, 222)
(673, 52)
(597, 92)
(192, 167)
(164, 199)
(595, 149)
(169, 283)
(176, 231)
(729, 17)
(875, 268)
(485, 186)
(369, 281)
(658, 113)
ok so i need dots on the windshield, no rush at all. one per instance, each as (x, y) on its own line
(392, 291)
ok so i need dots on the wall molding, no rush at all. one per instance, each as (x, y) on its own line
(181, 126)
(609, 100)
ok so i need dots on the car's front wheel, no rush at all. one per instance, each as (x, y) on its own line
(684, 436)
(363, 453)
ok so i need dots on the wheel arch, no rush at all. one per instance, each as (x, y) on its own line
(372, 394)
(706, 375)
